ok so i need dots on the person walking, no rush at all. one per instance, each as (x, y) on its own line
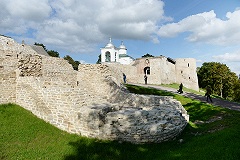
(124, 78)
(208, 94)
(145, 78)
(180, 90)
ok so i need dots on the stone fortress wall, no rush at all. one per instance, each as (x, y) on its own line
(162, 71)
(91, 102)
(186, 72)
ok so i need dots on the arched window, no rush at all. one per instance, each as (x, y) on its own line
(107, 56)
(147, 70)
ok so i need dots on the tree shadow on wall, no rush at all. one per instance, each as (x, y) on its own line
(101, 150)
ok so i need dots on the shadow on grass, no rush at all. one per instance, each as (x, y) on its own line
(201, 111)
(99, 150)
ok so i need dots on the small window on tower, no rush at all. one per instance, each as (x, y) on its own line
(147, 70)
(188, 64)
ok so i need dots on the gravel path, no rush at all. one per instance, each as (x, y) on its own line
(216, 101)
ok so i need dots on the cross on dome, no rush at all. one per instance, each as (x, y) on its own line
(110, 43)
(122, 46)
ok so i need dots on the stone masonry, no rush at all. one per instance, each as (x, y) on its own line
(162, 70)
(91, 101)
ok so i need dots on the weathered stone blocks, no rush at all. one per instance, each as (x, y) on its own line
(133, 124)
(91, 102)
(30, 65)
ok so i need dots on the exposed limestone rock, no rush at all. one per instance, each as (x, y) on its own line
(30, 65)
(132, 124)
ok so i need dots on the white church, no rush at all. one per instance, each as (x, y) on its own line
(110, 53)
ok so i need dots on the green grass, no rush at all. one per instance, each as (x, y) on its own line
(24, 136)
(200, 92)
(176, 86)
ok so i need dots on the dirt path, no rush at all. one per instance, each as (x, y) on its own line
(216, 101)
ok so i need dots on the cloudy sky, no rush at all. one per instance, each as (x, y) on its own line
(207, 30)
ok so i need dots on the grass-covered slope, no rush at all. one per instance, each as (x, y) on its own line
(212, 133)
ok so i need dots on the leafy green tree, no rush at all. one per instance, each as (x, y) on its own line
(198, 68)
(72, 62)
(53, 53)
(56, 54)
(147, 55)
(236, 90)
(219, 77)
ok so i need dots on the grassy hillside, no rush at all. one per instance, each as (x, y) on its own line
(212, 133)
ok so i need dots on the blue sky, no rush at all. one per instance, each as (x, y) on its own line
(207, 30)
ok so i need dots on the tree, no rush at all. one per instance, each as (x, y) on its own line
(40, 44)
(236, 90)
(99, 59)
(219, 77)
(147, 55)
(56, 54)
(53, 53)
(198, 68)
(72, 62)
(50, 52)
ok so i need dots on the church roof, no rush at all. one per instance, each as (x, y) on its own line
(110, 45)
(122, 46)
(124, 56)
(39, 50)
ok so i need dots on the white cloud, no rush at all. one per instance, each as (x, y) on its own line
(206, 27)
(234, 67)
(95, 20)
(17, 16)
(33, 10)
(136, 19)
(232, 60)
(228, 57)
(80, 25)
